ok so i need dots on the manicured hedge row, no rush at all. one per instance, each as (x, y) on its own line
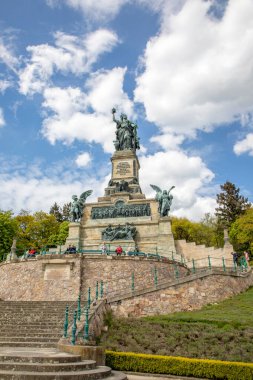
(172, 365)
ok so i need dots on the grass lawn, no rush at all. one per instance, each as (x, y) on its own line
(223, 331)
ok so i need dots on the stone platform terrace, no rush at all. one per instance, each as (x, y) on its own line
(34, 363)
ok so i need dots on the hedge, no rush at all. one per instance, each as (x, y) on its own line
(171, 365)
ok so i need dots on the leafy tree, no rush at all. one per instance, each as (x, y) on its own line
(44, 225)
(57, 212)
(8, 230)
(35, 230)
(25, 238)
(230, 204)
(202, 232)
(241, 232)
(213, 224)
(60, 237)
(66, 211)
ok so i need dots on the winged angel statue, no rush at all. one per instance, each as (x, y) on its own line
(164, 199)
(77, 205)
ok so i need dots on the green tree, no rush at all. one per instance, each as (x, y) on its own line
(204, 232)
(24, 236)
(44, 225)
(230, 204)
(241, 232)
(60, 237)
(57, 212)
(35, 230)
(213, 224)
(66, 211)
(8, 230)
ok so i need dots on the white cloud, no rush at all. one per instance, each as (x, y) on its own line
(69, 110)
(83, 159)
(96, 10)
(34, 188)
(7, 56)
(198, 72)
(168, 140)
(189, 175)
(2, 121)
(18, 192)
(106, 91)
(4, 84)
(201, 206)
(71, 54)
(245, 145)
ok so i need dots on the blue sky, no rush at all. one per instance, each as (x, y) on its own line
(183, 70)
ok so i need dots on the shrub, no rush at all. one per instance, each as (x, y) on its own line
(211, 369)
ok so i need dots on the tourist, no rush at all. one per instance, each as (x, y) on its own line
(243, 263)
(73, 249)
(31, 253)
(103, 249)
(119, 250)
(68, 250)
(235, 258)
(246, 255)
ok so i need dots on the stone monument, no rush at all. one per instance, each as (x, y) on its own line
(12, 256)
(123, 216)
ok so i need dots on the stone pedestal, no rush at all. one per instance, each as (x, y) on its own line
(165, 239)
(87, 352)
(74, 234)
(12, 256)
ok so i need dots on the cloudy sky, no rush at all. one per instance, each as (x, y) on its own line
(182, 69)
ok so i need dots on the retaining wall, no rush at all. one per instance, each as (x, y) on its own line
(190, 295)
(62, 277)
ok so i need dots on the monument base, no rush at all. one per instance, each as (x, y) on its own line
(74, 234)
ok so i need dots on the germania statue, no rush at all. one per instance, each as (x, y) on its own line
(126, 133)
(164, 199)
(77, 206)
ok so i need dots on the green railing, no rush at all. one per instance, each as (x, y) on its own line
(81, 312)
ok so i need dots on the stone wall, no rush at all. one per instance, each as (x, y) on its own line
(188, 296)
(116, 272)
(40, 279)
(62, 277)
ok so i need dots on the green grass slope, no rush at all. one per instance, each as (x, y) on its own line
(222, 331)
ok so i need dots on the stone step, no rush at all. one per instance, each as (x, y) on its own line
(32, 309)
(47, 367)
(37, 355)
(17, 333)
(38, 303)
(42, 321)
(54, 329)
(34, 315)
(29, 338)
(27, 344)
(34, 324)
(100, 372)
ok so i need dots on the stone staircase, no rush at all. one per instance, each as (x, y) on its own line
(29, 333)
(27, 324)
(44, 363)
